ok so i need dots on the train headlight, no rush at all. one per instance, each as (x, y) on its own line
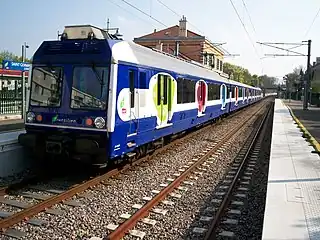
(99, 122)
(30, 117)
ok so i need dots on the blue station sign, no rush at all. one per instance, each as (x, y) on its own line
(20, 66)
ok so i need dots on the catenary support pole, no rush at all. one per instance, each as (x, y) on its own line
(307, 79)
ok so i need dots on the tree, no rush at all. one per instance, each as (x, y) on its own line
(267, 82)
(243, 75)
(6, 55)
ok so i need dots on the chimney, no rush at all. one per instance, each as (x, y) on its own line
(155, 30)
(159, 46)
(183, 27)
(176, 52)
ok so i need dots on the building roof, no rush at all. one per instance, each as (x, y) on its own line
(12, 73)
(170, 33)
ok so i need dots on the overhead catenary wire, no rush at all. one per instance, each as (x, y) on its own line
(314, 19)
(143, 12)
(179, 15)
(111, 1)
(248, 35)
(244, 27)
(195, 27)
(138, 9)
(245, 6)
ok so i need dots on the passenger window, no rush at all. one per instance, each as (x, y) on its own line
(180, 90)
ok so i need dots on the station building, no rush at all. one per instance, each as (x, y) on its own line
(186, 44)
(10, 79)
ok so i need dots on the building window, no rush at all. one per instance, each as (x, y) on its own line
(210, 60)
(213, 61)
(205, 59)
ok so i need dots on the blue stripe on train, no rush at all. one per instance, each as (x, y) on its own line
(147, 131)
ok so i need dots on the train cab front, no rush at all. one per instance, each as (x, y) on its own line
(67, 109)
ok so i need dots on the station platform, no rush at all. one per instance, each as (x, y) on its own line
(293, 195)
(310, 118)
(11, 125)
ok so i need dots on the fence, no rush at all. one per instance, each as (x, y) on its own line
(11, 101)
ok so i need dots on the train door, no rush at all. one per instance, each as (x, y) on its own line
(236, 93)
(230, 92)
(243, 95)
(223, 94)
(164, 88)
(201, 96)
(133, 122)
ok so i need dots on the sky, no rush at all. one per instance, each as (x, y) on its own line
(34, 21)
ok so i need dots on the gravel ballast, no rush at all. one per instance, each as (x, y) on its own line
(105, 203)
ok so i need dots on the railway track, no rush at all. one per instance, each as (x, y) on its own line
(235, 190)
(54, 197)
(178, 182)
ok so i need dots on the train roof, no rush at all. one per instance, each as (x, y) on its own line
(128, 51)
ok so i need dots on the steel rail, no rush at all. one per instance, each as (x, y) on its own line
(37, 208)
(24, 182)
(215, 222)
(123, 229)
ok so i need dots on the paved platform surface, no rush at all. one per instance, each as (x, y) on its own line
(11, 125)
(293, 195)
(10, 137)
(309, 118)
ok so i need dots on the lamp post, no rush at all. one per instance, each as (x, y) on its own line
(24, 53)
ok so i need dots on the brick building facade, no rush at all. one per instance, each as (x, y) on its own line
(180, 41)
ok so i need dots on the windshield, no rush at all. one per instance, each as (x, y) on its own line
(89, 88)
(46, 86)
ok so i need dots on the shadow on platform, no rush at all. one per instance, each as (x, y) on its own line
(309, 118)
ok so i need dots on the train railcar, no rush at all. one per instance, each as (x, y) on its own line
(97, 99)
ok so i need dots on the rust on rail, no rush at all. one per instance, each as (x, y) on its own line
(227, 198)
(35, 209)
(123, 229)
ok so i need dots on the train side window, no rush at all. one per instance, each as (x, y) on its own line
(210, 91)
(186, 90)
(192, 89)
(142, 80)
(165, 89)
(185, 97)
(131, 87)
(217, 91)
(240, 92)
(180, 90)
(214, 91)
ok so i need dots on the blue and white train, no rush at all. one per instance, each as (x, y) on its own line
(98, 99)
